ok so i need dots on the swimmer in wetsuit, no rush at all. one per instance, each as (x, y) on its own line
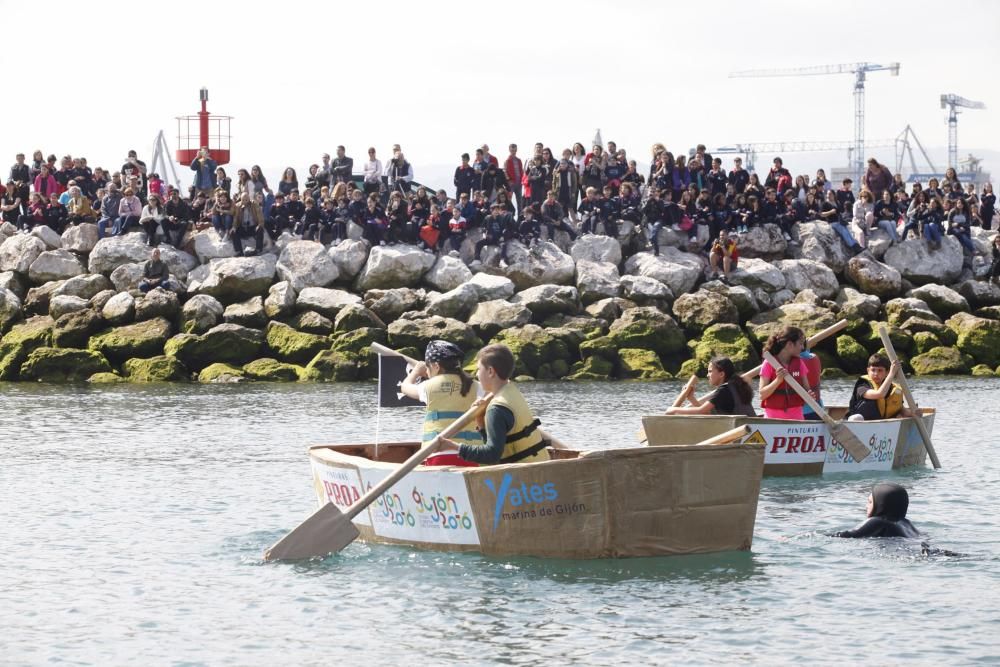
(887, 506)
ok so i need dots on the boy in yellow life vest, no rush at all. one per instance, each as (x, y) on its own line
(875, 395)
(509, 430)
(440, 383)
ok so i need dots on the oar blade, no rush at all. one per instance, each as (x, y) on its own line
(327, 531)
(858, 450)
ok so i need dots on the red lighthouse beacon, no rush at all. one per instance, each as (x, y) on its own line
(212, 133)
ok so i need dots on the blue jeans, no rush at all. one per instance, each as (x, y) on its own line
(123, 223)
(932, 232)
(890, 227)
(963, 238)
(222, 223)
(102, 226)
(912, 225)
(654, 235)
(845, 234)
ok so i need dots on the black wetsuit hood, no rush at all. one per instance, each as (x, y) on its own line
(889, 501)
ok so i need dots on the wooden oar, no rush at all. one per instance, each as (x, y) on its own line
(328, 530)
(378, 348)
(679, 401)
(857, 449)
(910, 403)
(726, 436)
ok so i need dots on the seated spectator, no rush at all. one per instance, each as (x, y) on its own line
(959, 221)
(55, 214)
(529, 230)
(552, 215)
(155, 274)
(930, 221)
(79, 208)
(887, 215)
(726, 253)
(35, 215)
(177, 220)
(248, 222)
(152, 216)
(222, 214)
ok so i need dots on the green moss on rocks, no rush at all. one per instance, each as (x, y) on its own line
(852, 355)
(133, 341)
(75, 329)
(692, 367)
(978, 337)
(105, 378)
(726, 340)
(359, 341)
(940, 361)
(272, 370)
(52, 364)
(901, 340)
(646, 328)
(220, 373)
(602, 346)
(640, 365)
(332, 366)
(294, 346)
(533, 346)
(225, 343)
(924, 341)
(20, 341)
(155, 369)
(982, 370)
(592, 368)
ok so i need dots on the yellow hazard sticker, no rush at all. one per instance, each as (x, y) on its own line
(755, 438)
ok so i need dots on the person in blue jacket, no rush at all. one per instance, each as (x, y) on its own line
(204, 167)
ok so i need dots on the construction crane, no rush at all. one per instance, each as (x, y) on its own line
(953, 102)
(750, 150)
(860, 71)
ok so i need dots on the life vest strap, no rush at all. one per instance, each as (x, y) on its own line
(525, 453)
(524, 432)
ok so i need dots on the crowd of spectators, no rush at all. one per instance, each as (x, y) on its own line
(578, 192)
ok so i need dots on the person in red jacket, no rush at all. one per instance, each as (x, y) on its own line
(777, 398)
(513, 169)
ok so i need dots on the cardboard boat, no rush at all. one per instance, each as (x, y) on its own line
(793, 447)
(608, 503)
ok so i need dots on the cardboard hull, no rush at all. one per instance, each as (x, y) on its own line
(802, 447)
(645, 501)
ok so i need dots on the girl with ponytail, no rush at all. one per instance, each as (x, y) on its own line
(777, 398)
(733, 396)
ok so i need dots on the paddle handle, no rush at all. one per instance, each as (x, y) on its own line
(726, 436)
(800, 390)
(883, 333)
(811, 341)
(378, 348)
(415, 460)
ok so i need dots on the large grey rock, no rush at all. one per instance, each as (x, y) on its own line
(98, 301)
(597, 280)
(457, 303)
(280, 301)
(325, 301)
(763, 242)
(447, 273)
(898, 311)
(55, 265)
(306, 264)
(355, 316)
(6, 231)
(48, 236)
(85, 286)
(36, 302)
(418, 332)
(645, 291)
(545, 264)
(80, 238)
(677, 270)
(855, 305)
(120, 309)
(801, 274)
(225, 343)
(157, 303)
(312, 322)
(249, 313)
(873, 277)
(15, 283)
(208, 246)
(491, 287)
(200, 313)
(113, 251)
(10, 309)
(741, 297)
(917, 263)
(545, 300)
(944, 301)
(647, 328)
(818, 242)
(126, 277)
(490, 317)
(18, 252)
(390, 304)
(349, 255)
(980, 293)
(61, 305)
(179, 263)
(237, 278)
(805, 316)
(757, 273)
(597, 248)
(699, 310)
(394, 266)
(75, 329)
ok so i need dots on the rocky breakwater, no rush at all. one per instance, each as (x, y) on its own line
(70, 309)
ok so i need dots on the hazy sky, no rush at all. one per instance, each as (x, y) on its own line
(443, 77)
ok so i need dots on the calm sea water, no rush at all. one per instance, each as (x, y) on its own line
(134, 519)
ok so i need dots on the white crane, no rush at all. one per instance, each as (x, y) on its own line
(860, 71)
(953, 102)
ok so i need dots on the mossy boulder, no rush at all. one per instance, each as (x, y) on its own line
(646, 328)
(914, 325)
(220, 373)
(105, 378)
(691, 367)
(359, 341)
(640, 365)
(132, 341)
(806, 316)
(332, 366)
(19, 342)
(533, 346)
(978, 337)
(924, 341)
(53, 364)
(155, 369)
(870, 339)
(75, 329)
(726, 340)
(940, 361)
(418, 332)
(272, 370)
(224, 343)
(982, 370)
(591, 368)
(294, 346)
(554, 370)
(852, 355)
(312, 322)
(602, 346)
